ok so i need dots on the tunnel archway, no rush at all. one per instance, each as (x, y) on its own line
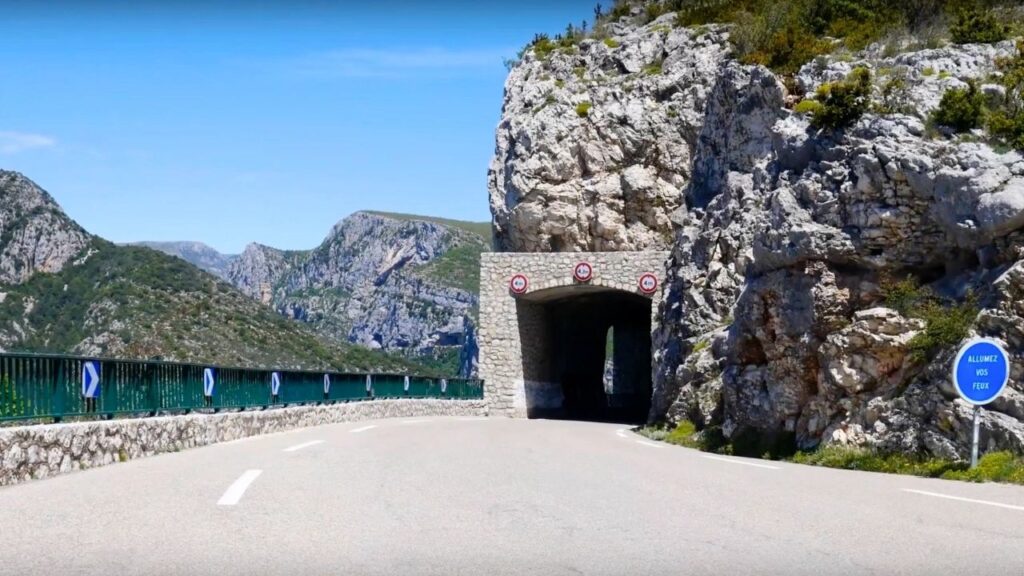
(544, 333)
(589, 353)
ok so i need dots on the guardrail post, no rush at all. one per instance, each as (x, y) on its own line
(58, 392)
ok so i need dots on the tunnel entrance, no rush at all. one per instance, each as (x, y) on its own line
(591, 354)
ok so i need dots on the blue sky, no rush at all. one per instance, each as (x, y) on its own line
(258, 121)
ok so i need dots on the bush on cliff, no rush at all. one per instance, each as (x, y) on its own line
(1006, 121)
(961, 109)
(947, 323)
(842, 103)
(978, 26)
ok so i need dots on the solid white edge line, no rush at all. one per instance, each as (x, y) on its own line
(298, 447)
(621, 433)
(363, 429)
(414, 421)
(235, 492)
(649, 444)
(961, 499)
(734, 461)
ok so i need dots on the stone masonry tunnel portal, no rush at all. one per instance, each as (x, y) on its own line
(554, 344)
(593, 360)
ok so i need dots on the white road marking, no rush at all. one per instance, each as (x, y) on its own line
(743, 462)
(413, 421)
(298, 447)
(363, 429)
(621, 433)
(649, 444)
(971, 500)
(235, 491)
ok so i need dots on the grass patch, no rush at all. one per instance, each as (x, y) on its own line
(808, 107)
(993, 467)
(865, 460)
(653, 69)
(684, 434)
(946, 323)
(611, 43)
(583, 109)
(459, 267)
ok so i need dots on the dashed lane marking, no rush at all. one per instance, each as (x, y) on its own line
(741, 462)
(969, 500)
(235, 492)
(298, 447)
(649, 444)
(363, 429)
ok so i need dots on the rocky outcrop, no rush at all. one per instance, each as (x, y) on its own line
(35, 234)
(784, 238)
(798, 232)
(596, 142)
(379, 281)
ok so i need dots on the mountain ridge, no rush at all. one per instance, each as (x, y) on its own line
(78, 293)
(398, 282)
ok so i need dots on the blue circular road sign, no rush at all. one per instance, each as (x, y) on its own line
(981, 370)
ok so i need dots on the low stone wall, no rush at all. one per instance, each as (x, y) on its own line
(34, 452)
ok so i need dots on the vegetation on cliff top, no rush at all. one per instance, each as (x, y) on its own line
(786, 34)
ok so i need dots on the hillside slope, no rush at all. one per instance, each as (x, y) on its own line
(127, 301)
(195, 253)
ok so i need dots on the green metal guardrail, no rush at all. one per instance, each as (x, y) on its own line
(34, 386)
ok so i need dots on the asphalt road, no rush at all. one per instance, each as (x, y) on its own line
(472, 496)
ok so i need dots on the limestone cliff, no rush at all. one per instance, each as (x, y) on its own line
(404, 284)
(35, 234)
(791, 310)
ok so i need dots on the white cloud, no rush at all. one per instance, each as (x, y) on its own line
(14, 142)
(362, 62)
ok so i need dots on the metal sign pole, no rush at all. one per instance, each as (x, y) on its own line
(974, 441)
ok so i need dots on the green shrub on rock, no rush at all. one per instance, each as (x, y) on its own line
(583, 109)
(1006, 121)
(977, 26)
(843, 102)
(961, 109)
(807, 107)
(992, 467)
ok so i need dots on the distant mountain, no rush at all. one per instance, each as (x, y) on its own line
(195, 253)
(398, 282)
(64, 290)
